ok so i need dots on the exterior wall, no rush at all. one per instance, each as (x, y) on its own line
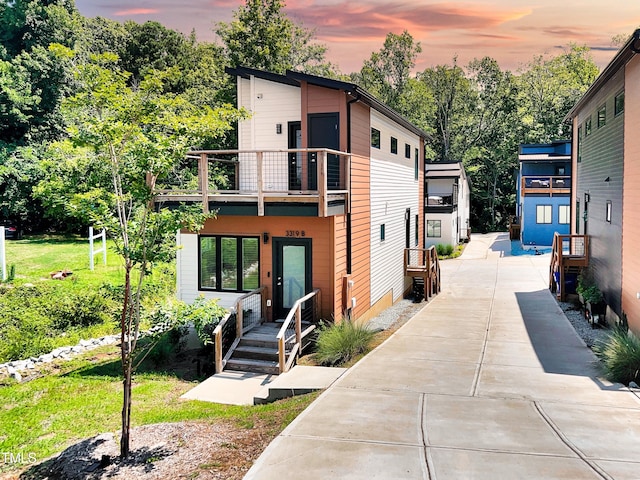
(602, 157)
(393, 190)
(440, 186)
(631, 204)
(321, 231)
(360, 211)
(270, 103)
(464, 209)
(449, 235)
(542, 233)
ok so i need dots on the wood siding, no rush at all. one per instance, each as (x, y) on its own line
(602, 158)
(360, 208)
(631, 209)
(320, 230)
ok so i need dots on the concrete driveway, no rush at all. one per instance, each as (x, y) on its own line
(488, 381)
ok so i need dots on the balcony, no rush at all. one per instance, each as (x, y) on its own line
(546, 185)
(303, 182)
(441, 203)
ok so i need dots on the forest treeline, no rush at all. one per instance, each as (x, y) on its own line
(476, 113)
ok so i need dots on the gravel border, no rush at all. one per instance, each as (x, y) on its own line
(590, 335)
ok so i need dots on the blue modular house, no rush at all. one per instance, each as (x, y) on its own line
(544, 191)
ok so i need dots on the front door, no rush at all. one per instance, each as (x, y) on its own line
(324, 133)
(292, 273)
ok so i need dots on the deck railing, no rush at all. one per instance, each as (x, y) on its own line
(546, 184)
(424, 263)
(291, 337)
(321, 175)
(249, 312)
(567, 251)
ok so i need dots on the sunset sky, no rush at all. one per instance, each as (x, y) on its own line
(511, 31)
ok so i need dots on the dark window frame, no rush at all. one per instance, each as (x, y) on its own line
(394, 145)
(587, 126)
(579, 153)
(416, 165)
(383, 232)
(602, 116)
(375, 137)
(618, 104)
(416, 234)
(239, 263)
(407, 150)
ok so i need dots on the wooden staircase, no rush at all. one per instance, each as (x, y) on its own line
(257, 351)
(569, 255)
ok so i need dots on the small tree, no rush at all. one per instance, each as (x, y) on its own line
(141, 132)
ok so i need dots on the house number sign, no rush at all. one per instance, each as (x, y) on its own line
(296, 233)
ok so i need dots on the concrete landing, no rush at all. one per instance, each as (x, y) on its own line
(245, 388)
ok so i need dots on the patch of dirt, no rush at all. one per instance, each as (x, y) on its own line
(163, 451)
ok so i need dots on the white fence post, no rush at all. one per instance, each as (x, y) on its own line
(3, 256)
(92, 252)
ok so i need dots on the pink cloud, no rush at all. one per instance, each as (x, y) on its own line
(136, 11)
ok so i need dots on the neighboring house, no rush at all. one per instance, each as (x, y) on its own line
(447, 203)
(606, 180)
(294, 216)
(543, 191)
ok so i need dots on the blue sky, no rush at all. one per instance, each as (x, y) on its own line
(511, 31)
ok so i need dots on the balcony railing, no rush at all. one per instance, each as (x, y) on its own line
(263, 176)
(549, 185)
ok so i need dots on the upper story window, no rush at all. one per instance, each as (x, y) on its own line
(602, 116)
(564, 214)
(394, 145)
(587, 126)
(416, 165)
(618, 106)
(543, 214)
(375, 137)
(407, 150)
(579, 154)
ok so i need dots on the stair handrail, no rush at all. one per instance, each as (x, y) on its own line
(221, 356)
(283, 337)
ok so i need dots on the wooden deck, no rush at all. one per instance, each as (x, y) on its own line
(569, 254)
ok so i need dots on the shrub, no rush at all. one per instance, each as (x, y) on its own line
(339, 343)
(620, 355)
(444, 250)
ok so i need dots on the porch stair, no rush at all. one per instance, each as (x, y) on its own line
(257, 351)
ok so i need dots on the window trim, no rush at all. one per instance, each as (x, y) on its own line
(383, 232)
(239, 266)
(547, 208)
(616, 110)
(587, 126)
(567, 215)
(394, 145)
(416, 165)
(609, 211)
(601, 119)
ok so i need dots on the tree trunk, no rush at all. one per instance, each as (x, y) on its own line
(127, 360)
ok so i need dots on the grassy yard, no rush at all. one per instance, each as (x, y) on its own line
(84, 398)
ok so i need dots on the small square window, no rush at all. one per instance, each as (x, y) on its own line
(434, 228)
(619, 104)
(602, 116)
(375, 138)
(382, 233)
(543, 213)
(608, 214)
(394, 145)
(587, 126)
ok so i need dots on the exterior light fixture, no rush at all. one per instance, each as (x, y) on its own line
(265, 238)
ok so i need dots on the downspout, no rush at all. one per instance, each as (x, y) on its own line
(349, 243)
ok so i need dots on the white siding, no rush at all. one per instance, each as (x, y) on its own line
(187, 274)
(270, 103)
(448, 229)
(392, 192)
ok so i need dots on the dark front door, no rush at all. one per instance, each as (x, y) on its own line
(292, 273)
(295, 158)
(324, 133)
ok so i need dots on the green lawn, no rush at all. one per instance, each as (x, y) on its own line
(45, 415)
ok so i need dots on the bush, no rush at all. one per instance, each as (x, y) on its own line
(620, 355)
(339, 343)
(444, 250)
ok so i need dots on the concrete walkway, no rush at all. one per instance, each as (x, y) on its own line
(488, 381)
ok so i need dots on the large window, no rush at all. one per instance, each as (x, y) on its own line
(564, 214)
(375, 137)
(229, 263)
(543, 213)
(434, 228)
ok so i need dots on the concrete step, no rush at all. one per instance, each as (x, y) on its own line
(256, 366)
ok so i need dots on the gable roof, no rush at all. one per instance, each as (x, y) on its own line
(296, 78)
(620, 60)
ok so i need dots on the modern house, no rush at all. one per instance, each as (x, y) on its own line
(543, 190)
(320, 201)
(606, 181)
(447, 203)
